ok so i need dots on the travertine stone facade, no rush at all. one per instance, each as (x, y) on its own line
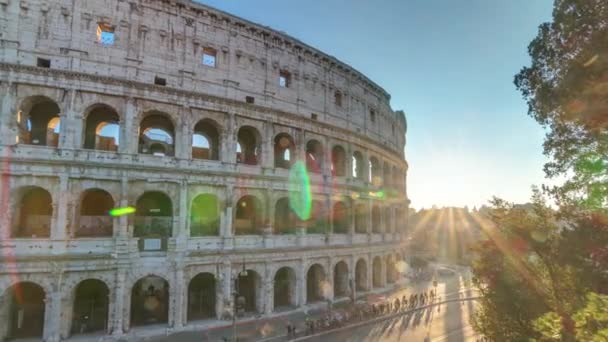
(201, 121)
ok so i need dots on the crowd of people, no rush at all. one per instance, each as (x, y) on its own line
(362, 312)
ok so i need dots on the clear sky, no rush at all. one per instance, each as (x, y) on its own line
(449, 65)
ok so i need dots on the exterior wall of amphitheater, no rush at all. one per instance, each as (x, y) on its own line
(54, 65)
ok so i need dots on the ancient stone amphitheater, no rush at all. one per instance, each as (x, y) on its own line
(254, 163)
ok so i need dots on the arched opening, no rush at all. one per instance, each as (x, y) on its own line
(341, 283)
(284, 151)
(249, 216)
(317, 223)
(340, 218)
(376, 219)
(386, 178)
(314, 156)
(388, 220)
(94, 219)
(361, 218)
(33, 213)
(205, 216)
(206, 141)
(284, 288)
(284, 218)
(153, 221)
(39, 122)
(377, 272)
(22, 308)
(201, 297)
(249, 288)
(358, 171)
(338, 161)
(391, 269)
(316, 284)
(91, 304)
(102, 129)
(156, 135)
(150, 301)
(361, 275)
(375, 175)
(248, 146)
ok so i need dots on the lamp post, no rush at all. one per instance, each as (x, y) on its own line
(235, 293)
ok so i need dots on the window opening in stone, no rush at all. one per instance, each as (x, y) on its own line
(284, 79)
(105, 34)
(24, 303)
(361, 275)
(341, 282)
(338, 161)
(283, 148)
(150, 301)
(249, 218)
(33, 213)
(201, 297)
(376, 220)
(38, 122)
(156, 135)
(43, 63)
(205, 141)
(209, 57)
(94, 219)
(160, 81)
(338, 98)
(153, 221)
(375, 176)
(248, 140)
(317, 223)
(102, 129)
(313, 116)
(340, 218)
(316, 284)
(361, 218)
(249, 99)
(284, 289)
(358, 170)
(90, 311)
(284, 217)
(249, 287)
(372, 115)
(205, 216)
(314, 156)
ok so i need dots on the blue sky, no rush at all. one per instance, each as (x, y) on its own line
(449, 65)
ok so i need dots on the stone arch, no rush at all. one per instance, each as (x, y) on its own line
(153, 220)
(340, 215)
(90, 311)
(102, 128)
(376, 219)
(157, 134)
(361, 215)
(284, 151)
(314, 156)
(391, 269)
(285, 295)
(361, 275)
(250, 289)
(338, 161)
(249, 216)
(206, 140)
(341, 280)
(358, 169)
(386, 177)
(375, 172)
(285, 218)
(205, 215)
(33, 212)
(317, 222)
(202, 297)
(93, 218)
(377, 272)
(317, 286)
(38, 121)
(149, 301)
(22, 311)
(248, 145)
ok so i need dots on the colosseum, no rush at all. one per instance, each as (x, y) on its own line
(161, 156)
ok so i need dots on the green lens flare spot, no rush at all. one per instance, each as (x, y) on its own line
(121, 211)
(300, 198)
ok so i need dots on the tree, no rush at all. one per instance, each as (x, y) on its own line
(565, 88)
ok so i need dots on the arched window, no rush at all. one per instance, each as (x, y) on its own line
(38, 121)
(94, 219)
(153, 221)
(340, 218)
(341, 283)
(24, 303)
(33, 213)
(102, 129)
(285, 288)
(205, 216)
(201, 297)
(314, 156)
(316, 284)
(248, 142)
(91, 307)
(205, 141)
(361, 215)
(156, 135)
(338, 161)
(358, 169)
(150, 301)
(361, 275)
(377, 272)
(250, 289)
(283, 151)
(284, 217)
(375, 176)
(376, 219)
(249, 216)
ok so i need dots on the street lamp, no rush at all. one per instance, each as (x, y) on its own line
(236, 299)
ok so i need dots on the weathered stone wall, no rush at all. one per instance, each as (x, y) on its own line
(165, 39)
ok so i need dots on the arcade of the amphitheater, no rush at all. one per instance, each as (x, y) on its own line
(250, 159)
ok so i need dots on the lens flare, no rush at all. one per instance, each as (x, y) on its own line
(121, 211)
(300, 198)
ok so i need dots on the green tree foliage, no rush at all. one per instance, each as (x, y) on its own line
(566, 88)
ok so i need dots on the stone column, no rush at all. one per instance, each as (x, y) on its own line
(267, 145)
(227, 231)
(70, 122)
(383, 267)
(178, 302)
(268, 288)
(268, 218)
(329, 277)
(128, 137)
(183, 145)
(228, 152)
(369, 216)
(224, 291)
(58, 230)
(182, 221)
(8, 115)
(370, 272)
(52, 316)
(120, 322)
(301, 282)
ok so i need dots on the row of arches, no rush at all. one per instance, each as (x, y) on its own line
(24, 304)
(39, 124)
(154, 215)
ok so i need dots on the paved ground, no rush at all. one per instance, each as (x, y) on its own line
(447, 322)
